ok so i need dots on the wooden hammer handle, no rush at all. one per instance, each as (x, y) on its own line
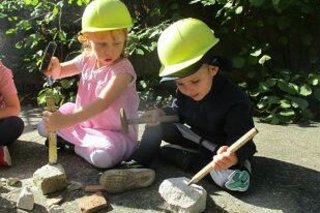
(233, 148)
(164, 118)
(52, 137)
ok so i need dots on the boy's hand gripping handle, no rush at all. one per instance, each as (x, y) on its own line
(233, 148)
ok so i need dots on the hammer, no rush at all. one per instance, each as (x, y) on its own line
(125, 122)
(48, 54)
(233, 148)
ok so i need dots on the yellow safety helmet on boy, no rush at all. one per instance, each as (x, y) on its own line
(183, 44)
(102, 15)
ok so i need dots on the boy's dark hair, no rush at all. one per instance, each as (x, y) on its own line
(212, 59)
(223, 63)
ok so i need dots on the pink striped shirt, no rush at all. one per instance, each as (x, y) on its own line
(7, 85)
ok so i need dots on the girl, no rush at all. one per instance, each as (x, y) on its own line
(107, 83)
(11, 126)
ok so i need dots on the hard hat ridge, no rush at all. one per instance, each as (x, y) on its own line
(103, 15)
(183, 44)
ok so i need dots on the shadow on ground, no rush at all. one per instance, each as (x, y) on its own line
(276, 185)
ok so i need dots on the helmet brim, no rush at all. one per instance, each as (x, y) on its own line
(96, 29)
(175, 68)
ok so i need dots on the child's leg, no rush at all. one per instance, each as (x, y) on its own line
(42, 129)
(181, 152)
(233, 179)
(106, 151)
(10, 129)
(149, 145)
(97, 157)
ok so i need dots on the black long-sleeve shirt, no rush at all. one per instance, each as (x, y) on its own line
(222, 116)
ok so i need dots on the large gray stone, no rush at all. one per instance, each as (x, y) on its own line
(50, 178)
(181, 197)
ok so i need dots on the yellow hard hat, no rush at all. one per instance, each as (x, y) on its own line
(102, 15)
(183, 44)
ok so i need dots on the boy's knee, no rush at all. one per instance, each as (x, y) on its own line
(232, 180)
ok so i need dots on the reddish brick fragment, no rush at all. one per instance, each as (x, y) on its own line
(92, 203)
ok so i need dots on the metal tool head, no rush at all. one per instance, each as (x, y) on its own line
(48, 54)
(123, 120)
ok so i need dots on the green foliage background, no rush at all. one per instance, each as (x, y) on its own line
(273, 44)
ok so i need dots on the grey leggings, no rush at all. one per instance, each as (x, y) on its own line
(10, 129)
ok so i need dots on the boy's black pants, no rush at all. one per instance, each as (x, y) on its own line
(149, 147)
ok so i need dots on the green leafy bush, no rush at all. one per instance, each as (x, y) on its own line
(273, 45)
(275, 50)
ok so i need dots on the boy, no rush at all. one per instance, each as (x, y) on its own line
(213, 112)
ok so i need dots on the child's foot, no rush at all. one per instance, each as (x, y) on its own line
(120, 180)
(5, 159)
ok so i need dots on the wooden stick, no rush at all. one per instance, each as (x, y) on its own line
(52, 140)
(233, 148)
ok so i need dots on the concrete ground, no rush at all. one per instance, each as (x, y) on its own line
(286, 175)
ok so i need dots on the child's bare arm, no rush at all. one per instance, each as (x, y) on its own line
(12, 105)
(59, 70)
(110, 93)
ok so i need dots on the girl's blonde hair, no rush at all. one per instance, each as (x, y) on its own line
(86, 48)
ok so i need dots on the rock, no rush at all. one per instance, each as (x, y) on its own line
(181, 197)
(92, 203)
(26, 199)
(3, 180)
(12, 181)
(54, 201)
(50, 178)
(56, 209)
(74, 186)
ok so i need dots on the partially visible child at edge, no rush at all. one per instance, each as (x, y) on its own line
(92, 124)
(11, 126)
(210, 107)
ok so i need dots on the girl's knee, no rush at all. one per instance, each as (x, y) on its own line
(42, 129)
(67, 108)
(99, 158)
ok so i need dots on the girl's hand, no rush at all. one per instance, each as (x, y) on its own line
(54, 120)
(153, 116)
(224, 159)
(54, 68)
